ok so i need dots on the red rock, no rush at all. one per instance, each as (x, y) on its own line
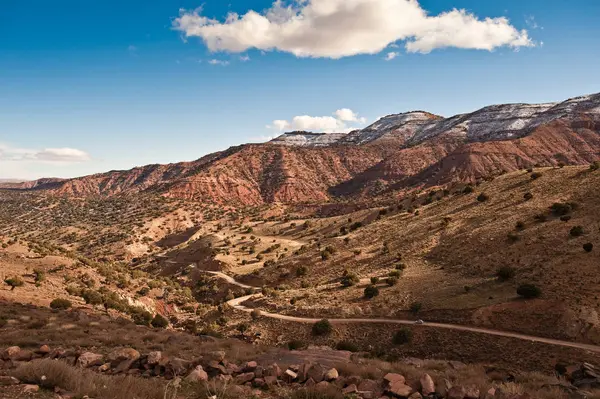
(427, 385)
(350, 389)
(391, 378)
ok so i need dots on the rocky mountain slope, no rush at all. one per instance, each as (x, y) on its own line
(398, 152)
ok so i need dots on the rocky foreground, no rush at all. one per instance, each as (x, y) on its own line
(252, 379)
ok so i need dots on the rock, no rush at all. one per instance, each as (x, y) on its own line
(322, 386)
(456, 365)
(331, 375)
(104, 368)
(392, 378)
(219, 356)
(31, 388)
(243, 378)
(250, 366)
(427, 385)
(456, 392)
(316, 372)
(43, 350)
(310, 383)
(366, 394)
(270, 380)
(154, 358)
(259, 383)
(8, 380)
(273, 370)
(224, 378)
(368, 385)
(89, 359)
(177, 366)
(259, 372)
(415, 395)
(125, 356)
(197, 375)
(472, 392)
(399, 389)
(11, 352)
(289, 376)
(350, 389)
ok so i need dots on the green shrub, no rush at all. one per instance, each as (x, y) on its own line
(140, 316)
(60, 303)
(371, 291)
(566, 218)
(346, 346)
(14, 282)
(468, 189)
(374, 280)
(322, 327)
(529, 291)
(296, 344)
(402, 336)
(416, 307)
(595, 165)
(301, 271)
(92, 297)
(39, 275)
(349, 279)
(588, 247)
(576, 231)
(505, 273)
(563, 208)
(483, 197)
(391, 281)
(159, 321)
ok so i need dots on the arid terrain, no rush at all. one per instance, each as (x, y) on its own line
(462, 248)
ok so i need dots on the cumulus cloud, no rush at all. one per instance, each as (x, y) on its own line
(62, 155)
(342, 121)
(342, 28)
(218, 62)
(244, 58)
(391, 55)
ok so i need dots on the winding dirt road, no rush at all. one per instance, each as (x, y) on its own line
(237, 304)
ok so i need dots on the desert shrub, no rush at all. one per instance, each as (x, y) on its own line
(14, 282)
(505, 273)
(400, 266)
(355, 226)
(563, 208)
(468, 189)
(576, 231)
(255, 314)
(346, 346)
(39, 275)
(159, 321)
(374, 280)
(391, 281)
(242, 327)
(144, 291)
(325, 255)
(588, 247)
(535, 175)
(566, 218)
(301, 271)
(529, 291)
(322, 327)
(140, 316)
(416, 307)
(595, 165)
(540, 218)
(483, 197)
(92, 297)
(520, 225)
(60, 303)
(512, 237)
(296, 344)
(402, 336)
(371, 291)
(349, 279)
(528, 196)
(395, 273)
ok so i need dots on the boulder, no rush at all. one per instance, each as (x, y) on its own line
(368, 385)
(11, 353)
(259, 383)
(427, 385)
(289, 376)
(310, 383)
(177, 366)
(415, 395)
(316, 372)
(197, 375)
(270, 380)
(250, 366)
(399, 389)
(392, 378)
(244, 378)
(29, 389)
(322, 386)
(104, 368)
(331, 375)
(219, 356)
(154, 358)
(122, 359)
(89, 359)
(472, 392)
(273, 370)
(350, 389)
(43, 350)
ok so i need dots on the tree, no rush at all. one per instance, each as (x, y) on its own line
(529, 291)
(159, 321)
(322, 327)
(402, 336)
(371, 292)
(14, 282)
(60, 303)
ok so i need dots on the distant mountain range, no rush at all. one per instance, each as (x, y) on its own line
(397, 152)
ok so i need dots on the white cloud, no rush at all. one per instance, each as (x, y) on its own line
(244, 58)
(218, 62)
(61, 155)
(341, 28)
(391, 55)
(344, 120)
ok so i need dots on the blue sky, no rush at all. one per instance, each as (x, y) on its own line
(96, 85)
